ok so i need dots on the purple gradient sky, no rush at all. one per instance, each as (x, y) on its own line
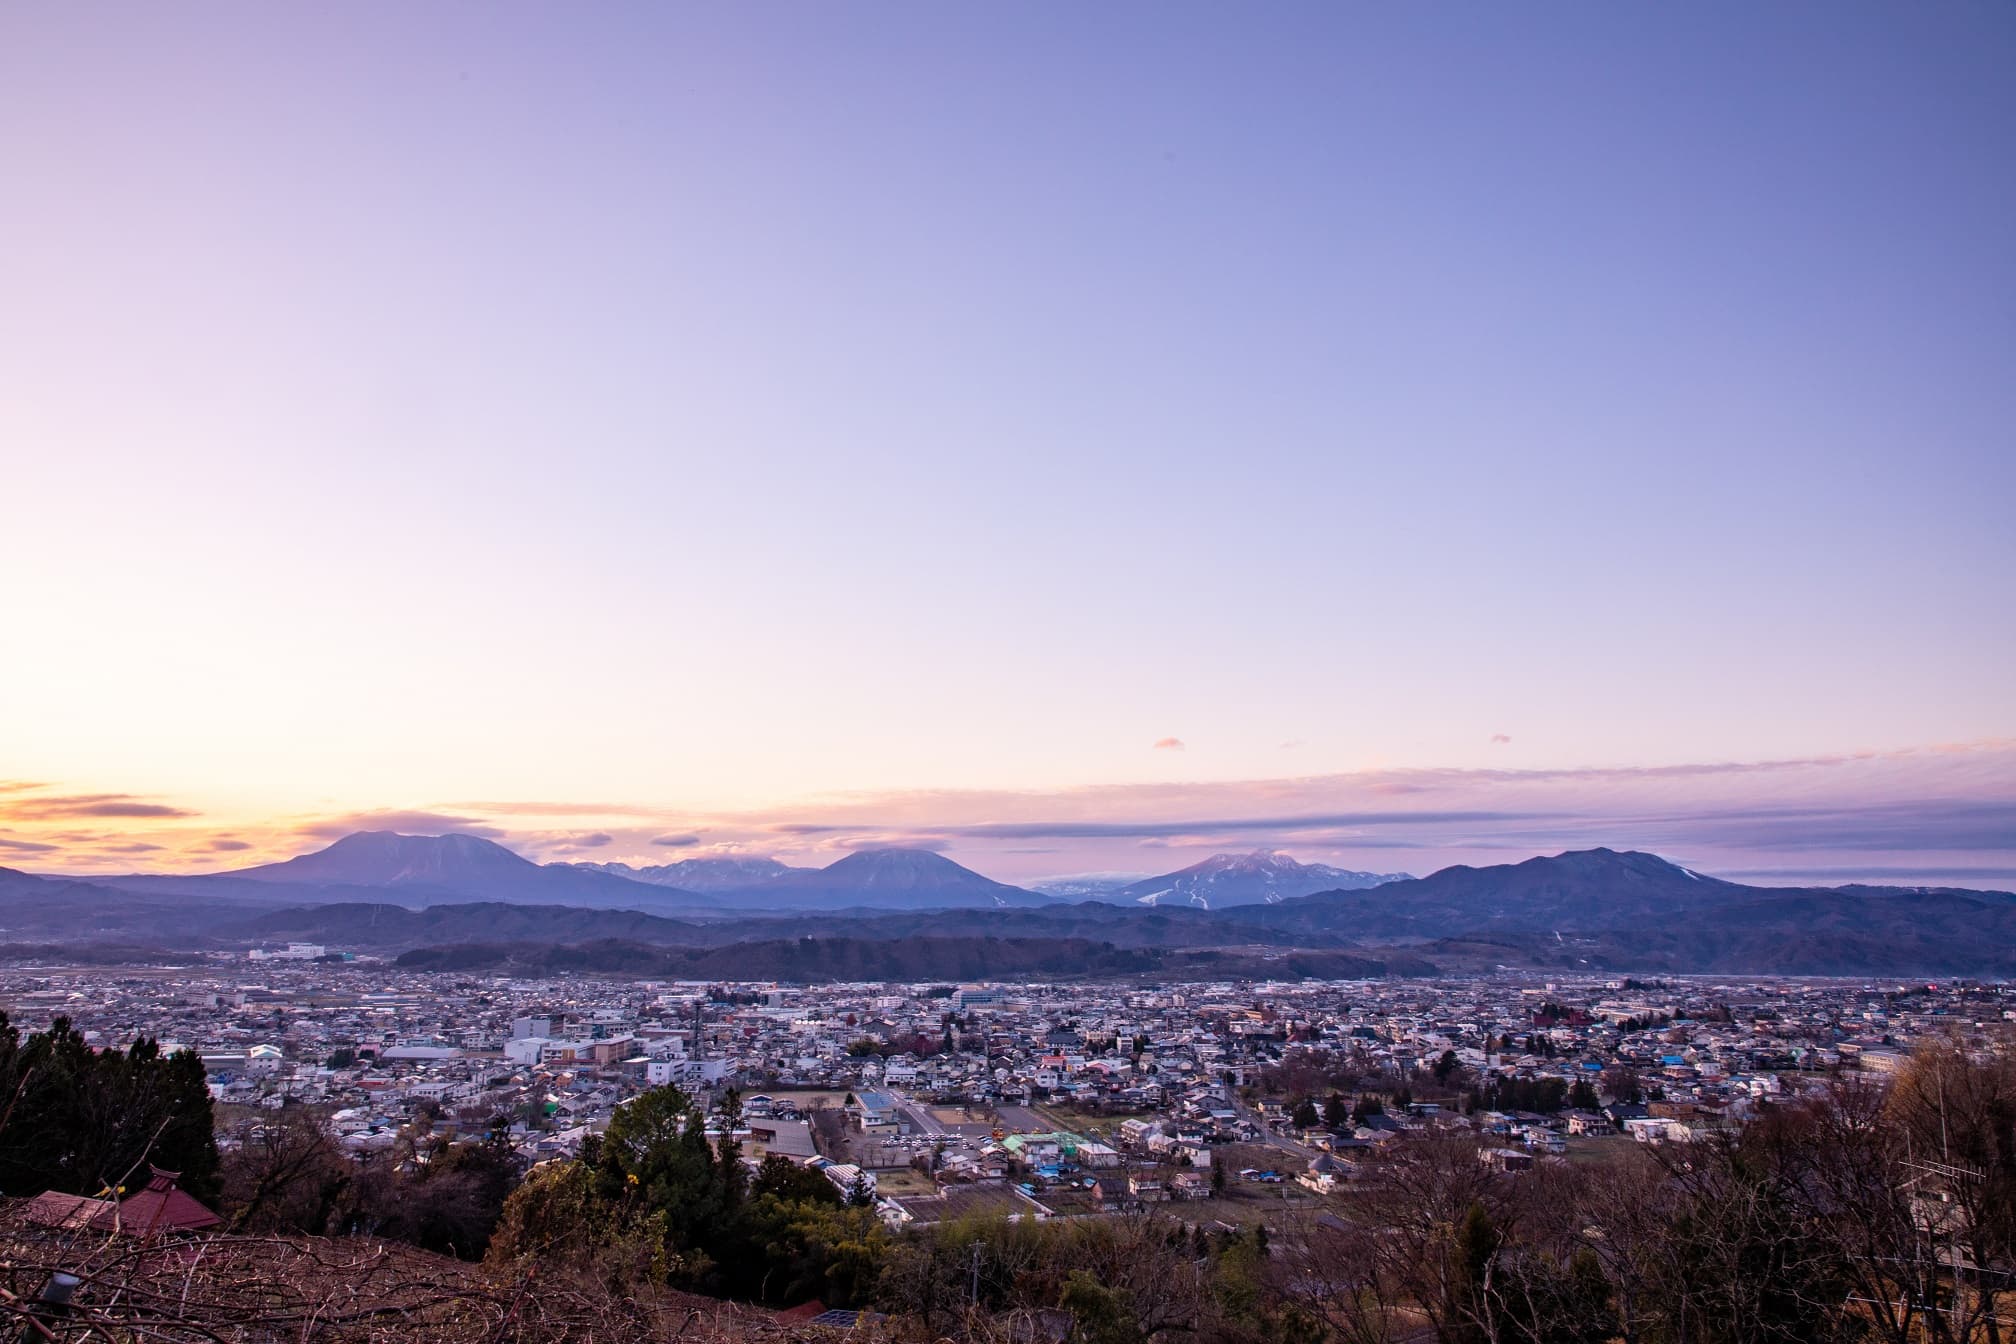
(726, 412)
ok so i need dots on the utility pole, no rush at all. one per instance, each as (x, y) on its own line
(973, 1290)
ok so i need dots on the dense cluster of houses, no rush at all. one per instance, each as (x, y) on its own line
(1155, 1081)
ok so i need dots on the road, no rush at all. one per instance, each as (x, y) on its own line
(920, 1118)
(1268, 1136)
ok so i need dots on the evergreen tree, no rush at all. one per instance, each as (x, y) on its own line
(87, 1121)
(728, 1150)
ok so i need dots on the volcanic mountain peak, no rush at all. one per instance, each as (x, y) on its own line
(387, 858)
(911, 878)
(458, 865)
(1618, 867)
(1262, 876)
(902, 868)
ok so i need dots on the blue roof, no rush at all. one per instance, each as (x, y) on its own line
(875, 1101)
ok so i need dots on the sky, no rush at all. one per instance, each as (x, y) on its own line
(1074, 438)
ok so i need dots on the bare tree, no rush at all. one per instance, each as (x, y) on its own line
(283, 1173)
(1957, 1115)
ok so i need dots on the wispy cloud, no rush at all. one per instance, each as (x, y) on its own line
(226, 844)
(1950, 805)
(675, 841)
(535, 808)
(18, 846)
(52, 807)
(1283, 825)
(1169, 744)
(1500, 739)
(1879, 872)
(1933, 824)
(894, 840)
(405, 822)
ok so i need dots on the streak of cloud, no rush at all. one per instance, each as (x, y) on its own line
(109, 805)
(1289, 824)
(9, 842)
(406, 823)
(1878, 872)
(536, 808)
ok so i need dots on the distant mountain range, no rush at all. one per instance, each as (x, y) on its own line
(1589, 910)
(1602, 909)
(1084, 886)
(436, 869)
(906, 879)
(706, 874)
(1582, 889)
(465, 867)
(868, 879)
(1263, 877)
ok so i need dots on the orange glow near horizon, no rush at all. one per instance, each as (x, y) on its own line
(1811, 815)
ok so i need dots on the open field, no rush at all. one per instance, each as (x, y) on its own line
(958, 1115)
(904, 1181)
(1262, 1156)
(1091, 1124)
(1602, 1149)
(1269, 1205)
(805, 1097)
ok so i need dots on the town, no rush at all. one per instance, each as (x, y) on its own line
(938, 1101)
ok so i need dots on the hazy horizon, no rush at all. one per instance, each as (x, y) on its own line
(1930, 816)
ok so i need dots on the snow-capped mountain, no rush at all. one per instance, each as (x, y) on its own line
(1261, 877)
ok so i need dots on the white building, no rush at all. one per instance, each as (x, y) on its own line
(292, 952)
(685, 1072)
